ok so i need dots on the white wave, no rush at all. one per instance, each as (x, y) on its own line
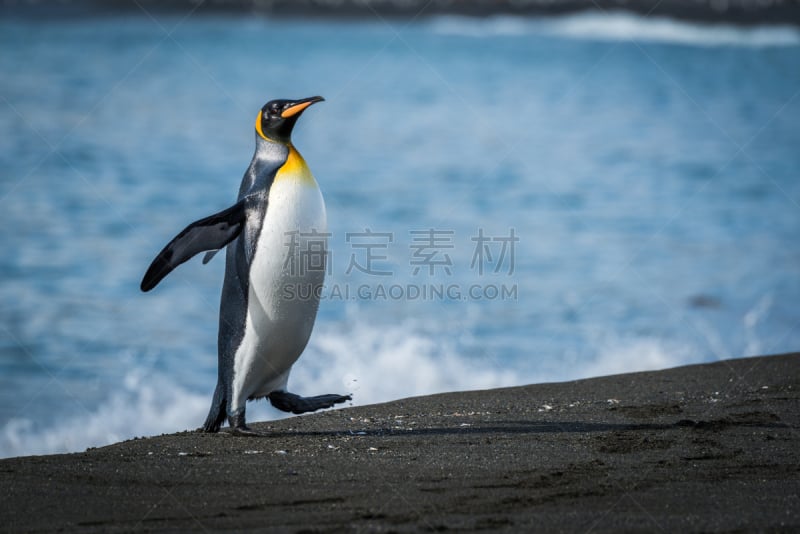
(615, 356)
(145, 406)
(381, 364)
(621, 26)
(751, 321)
(374, 363)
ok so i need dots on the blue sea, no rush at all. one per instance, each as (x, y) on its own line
(510, 201)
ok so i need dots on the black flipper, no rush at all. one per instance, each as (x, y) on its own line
(289, 402)
(211, 233)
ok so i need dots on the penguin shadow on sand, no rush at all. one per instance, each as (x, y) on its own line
(505, 427)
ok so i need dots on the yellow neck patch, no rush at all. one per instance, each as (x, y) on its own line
(295, 168)
(260, 131)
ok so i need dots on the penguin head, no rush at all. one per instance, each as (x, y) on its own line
(276, 119)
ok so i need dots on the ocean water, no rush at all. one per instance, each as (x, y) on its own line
(547, 200)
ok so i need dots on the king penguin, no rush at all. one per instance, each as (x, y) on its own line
(262, 332)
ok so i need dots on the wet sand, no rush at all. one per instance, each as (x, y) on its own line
(711, 447)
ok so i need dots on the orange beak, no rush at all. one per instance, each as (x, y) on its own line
(300, 106)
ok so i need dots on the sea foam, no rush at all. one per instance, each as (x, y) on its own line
(619, 26)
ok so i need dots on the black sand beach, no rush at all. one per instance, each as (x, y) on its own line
(711, 447)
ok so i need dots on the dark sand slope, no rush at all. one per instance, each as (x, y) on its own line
(709, 447)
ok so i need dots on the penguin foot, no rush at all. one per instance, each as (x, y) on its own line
(289, 402)
(238, 426)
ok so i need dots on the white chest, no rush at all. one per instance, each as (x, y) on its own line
(291, 244)
(285, 279)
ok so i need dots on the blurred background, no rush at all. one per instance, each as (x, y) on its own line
(554, 197)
